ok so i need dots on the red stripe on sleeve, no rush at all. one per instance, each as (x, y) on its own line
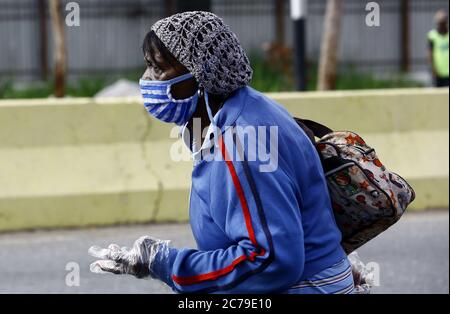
(208, 276)
(189, 280)
(240, 192)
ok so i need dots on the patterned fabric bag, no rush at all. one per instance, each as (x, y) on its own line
(366, 197)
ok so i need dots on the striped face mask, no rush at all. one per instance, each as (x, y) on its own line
(160, 104)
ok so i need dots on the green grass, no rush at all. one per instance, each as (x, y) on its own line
(83, 87)
(7, 90)
(266, 78)
(349, 78)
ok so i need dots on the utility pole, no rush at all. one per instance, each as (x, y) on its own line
(298, 16)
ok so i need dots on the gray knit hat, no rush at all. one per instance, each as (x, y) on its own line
(207, 47)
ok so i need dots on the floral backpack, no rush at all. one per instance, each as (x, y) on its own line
(366, 197)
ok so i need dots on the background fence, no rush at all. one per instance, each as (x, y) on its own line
(110, 34)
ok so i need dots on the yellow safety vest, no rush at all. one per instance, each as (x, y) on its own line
(440, 52)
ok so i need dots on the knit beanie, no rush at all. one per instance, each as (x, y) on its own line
(206, 46)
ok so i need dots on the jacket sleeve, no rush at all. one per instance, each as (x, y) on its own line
(259, 213)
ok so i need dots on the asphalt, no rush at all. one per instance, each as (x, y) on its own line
(412, 257)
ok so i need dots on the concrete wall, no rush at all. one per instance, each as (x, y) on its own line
(80, 162)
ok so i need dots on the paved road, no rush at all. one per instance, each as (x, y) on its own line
(413, 256)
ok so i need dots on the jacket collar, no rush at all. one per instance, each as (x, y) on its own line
(232, 109)
(224, 118)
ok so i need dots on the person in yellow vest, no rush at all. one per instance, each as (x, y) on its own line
(438, 49)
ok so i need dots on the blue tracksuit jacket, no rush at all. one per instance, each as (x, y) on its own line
(257, 231)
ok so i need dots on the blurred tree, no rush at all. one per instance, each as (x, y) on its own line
(43, 39)
(329, 46)
(405, 58)
(278, 57)
(193, 5)
(279, 21)
(59, 47)
(170, 7)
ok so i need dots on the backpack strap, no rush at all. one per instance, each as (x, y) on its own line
(314, 129)
(307, 130)
(319, 130)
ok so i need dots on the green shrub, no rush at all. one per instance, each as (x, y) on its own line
(266, 78)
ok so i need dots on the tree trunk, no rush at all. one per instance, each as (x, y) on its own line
(193, 5)
(404, 42)
(170, 7)
(59, 48)
(43, 40)
(329, 46)
(279, 22)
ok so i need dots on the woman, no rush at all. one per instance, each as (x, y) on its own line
(260, 227)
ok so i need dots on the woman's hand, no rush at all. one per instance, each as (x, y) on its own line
(361, 274)
(358, 279)
(136, 261)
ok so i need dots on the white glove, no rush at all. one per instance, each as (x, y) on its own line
(136, 261)
(363, 277)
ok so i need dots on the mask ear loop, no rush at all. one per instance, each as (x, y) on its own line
(208, 108)
(216, 130)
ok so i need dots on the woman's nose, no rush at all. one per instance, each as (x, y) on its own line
(147, 75)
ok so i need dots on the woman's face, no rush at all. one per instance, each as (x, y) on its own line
(160, 68)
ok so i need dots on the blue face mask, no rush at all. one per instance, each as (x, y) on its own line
(160, 104)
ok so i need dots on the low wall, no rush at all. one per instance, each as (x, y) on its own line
(79, 162)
